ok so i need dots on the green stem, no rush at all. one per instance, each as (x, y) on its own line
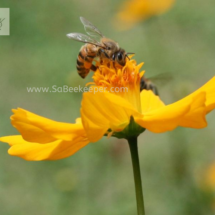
(137, 176)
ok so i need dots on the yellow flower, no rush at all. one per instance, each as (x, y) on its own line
(113, 106)
(112, 111)
(134, 11)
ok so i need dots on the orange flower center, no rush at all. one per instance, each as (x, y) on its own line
(123, 81)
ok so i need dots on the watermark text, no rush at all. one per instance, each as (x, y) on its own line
(79, 89)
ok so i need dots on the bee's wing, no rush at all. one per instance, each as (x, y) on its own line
(83, 38)
(162, 78)
(90, 29)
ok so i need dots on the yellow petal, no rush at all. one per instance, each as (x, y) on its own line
(55, 150)
(209, 89)
(186, 112)
(35, 128)
(149, 101)
(103, 111)
(32, 133)
(13, 140)
(195, 118)
(203, 101)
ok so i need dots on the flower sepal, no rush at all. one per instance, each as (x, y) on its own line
(131, 130)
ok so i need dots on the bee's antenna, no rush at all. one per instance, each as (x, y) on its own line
(127, 57)
(128, 53)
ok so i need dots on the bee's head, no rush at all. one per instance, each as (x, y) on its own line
(120, 57)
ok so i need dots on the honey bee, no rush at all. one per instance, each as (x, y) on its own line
(104, 49)
(146, 84)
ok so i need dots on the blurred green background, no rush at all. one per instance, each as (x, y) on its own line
(98, 179)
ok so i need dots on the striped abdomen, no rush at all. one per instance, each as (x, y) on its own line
(85, 59)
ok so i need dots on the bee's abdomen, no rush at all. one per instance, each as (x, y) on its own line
(85, 61)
